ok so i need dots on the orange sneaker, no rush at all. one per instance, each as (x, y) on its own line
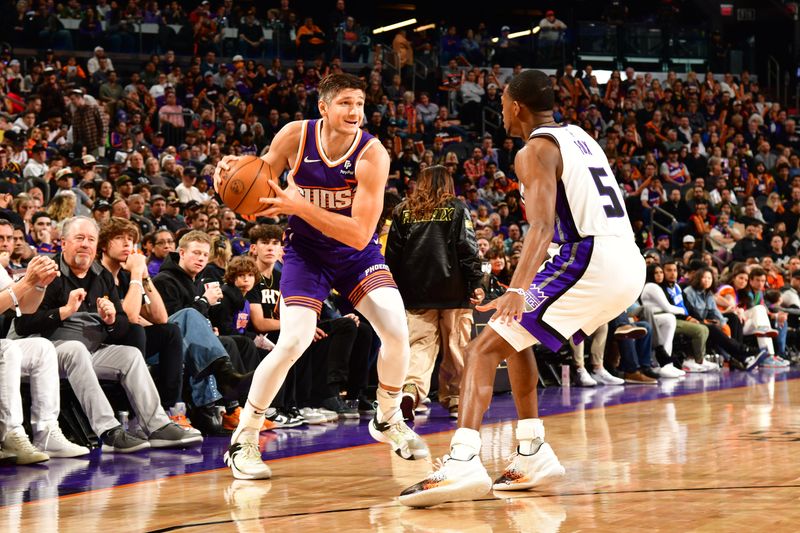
(181, 420)
(231, 421)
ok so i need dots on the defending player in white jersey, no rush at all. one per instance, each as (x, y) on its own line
(596, 272)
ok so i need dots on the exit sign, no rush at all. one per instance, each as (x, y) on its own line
(726, 10)
(745, 14)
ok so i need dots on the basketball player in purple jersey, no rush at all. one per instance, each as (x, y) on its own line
(337, 175)
(579, 268)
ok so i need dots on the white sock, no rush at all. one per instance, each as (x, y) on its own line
(528, 430)
(465, 443)
(766, 343)
(388, 404)
(250, 422)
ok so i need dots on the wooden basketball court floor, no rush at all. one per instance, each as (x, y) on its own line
(709, 453)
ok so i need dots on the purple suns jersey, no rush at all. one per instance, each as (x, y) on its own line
(328, 184)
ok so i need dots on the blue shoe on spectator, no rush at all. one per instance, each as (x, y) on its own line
(773, 361)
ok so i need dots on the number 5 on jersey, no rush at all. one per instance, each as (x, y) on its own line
(615, 210)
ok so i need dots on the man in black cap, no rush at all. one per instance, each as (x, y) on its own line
(186, 191)
(248, 146)
(158, 214)
(663, 249)
(101, 211)
(157, 147)
(36, 166)
(125, 185)
(173, 214)
(184, 155)
(673, 172)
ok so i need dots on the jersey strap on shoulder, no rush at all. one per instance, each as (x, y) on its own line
(301, 148)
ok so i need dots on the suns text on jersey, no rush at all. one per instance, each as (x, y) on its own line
(329, 198)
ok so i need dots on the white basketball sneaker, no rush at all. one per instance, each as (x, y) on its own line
(52, 441)
(584, 379)
(669, 371)
(399, 436)
(244, 459)
(536, 470)
(604, 377)
(451, 480)
(693, 367)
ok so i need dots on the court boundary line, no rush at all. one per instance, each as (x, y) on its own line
(526, 497)
(569, 413)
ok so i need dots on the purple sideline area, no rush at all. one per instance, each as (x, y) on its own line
(60, 477)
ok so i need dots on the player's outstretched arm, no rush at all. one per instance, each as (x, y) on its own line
(355, 230)
(538, 166)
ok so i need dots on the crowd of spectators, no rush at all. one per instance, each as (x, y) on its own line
(709, 169)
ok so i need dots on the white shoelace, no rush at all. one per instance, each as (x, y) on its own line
(55, 434)
(250, 452)
(22, 444)
(513, 457)
(438, 468)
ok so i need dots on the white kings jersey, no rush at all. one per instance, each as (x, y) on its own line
(588, 201)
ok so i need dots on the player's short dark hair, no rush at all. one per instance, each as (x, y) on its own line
(39, 214)
(265, 232)
(533, 89)
(333, 84)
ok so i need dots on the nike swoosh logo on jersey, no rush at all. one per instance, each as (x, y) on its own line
(307, 160)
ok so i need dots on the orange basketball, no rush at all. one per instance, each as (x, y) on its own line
(246, 184)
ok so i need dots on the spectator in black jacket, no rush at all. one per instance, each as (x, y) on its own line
(750, 245)
(83, 316)
(432, 253)
(209, 357)
(149, 330)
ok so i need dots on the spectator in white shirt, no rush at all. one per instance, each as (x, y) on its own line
(93, 65)
(158, 90)
(186, 191)
(24, 122)
(36, 167)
